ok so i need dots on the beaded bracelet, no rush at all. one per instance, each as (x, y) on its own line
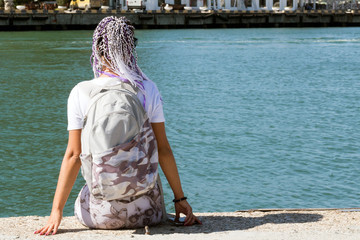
(179, 200)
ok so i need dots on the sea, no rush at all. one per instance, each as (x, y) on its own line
(256, 118)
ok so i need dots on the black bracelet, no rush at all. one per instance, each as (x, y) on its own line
(179, 200)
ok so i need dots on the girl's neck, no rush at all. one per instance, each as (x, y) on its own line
(108, 73)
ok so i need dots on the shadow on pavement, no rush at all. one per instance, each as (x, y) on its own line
(212, 224)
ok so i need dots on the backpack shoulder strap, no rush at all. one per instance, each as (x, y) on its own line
(91, 89)
(116, 85)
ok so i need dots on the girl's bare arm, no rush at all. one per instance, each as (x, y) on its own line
(168, 165)
(69, 170)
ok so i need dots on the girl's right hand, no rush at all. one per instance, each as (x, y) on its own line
(185, 208)
(52, 225)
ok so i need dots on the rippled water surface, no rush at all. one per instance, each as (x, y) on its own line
(257, 118)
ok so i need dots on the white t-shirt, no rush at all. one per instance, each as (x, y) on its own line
(78, 103)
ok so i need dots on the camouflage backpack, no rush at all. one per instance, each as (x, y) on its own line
(119, 152)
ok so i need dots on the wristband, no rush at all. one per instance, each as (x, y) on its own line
(179, 200)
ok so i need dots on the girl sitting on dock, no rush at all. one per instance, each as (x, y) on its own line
(114, 61)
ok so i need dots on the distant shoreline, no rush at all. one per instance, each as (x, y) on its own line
(81, 20)
(250, 224)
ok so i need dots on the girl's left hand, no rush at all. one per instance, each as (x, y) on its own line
(52, 225)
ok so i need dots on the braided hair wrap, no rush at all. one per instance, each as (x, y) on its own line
(114, 48)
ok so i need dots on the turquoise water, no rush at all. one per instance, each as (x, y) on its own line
(257, 118)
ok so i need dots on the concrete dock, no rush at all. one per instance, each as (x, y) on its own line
(296, 224)
(60, 19)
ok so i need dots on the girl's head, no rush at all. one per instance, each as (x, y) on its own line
(114, 49)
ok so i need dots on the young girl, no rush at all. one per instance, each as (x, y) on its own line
(114, 59)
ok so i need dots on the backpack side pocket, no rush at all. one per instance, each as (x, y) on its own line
(86, 166)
